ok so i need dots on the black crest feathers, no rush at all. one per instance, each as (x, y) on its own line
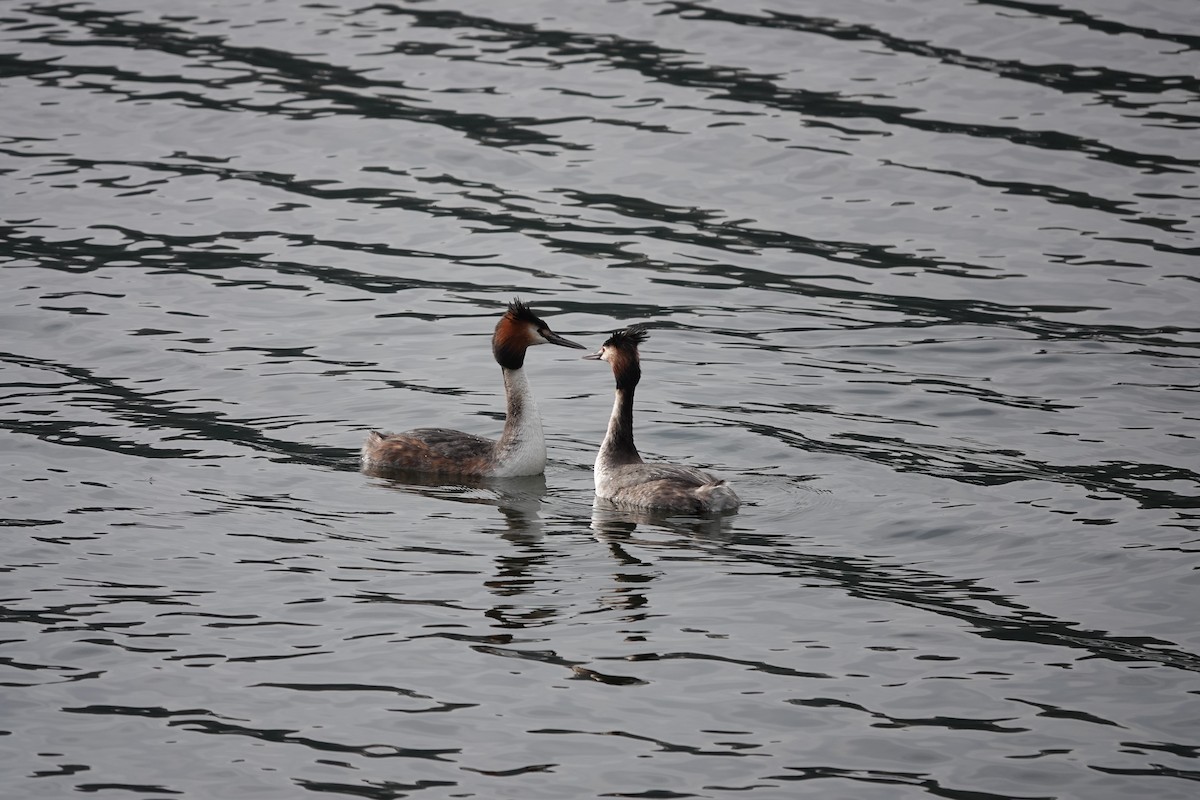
(517, 310)
(628, 338)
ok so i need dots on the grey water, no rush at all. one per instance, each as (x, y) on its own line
(921, 280)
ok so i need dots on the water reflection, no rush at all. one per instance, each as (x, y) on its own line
(519, 500)
(927, 279)
(613, 524)
(991, 613)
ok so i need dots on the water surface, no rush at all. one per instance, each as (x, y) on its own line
(921, 283)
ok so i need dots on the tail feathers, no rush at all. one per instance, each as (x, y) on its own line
(374, 439)
(717, 496)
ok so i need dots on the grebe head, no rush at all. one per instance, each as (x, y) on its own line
(621, 351)
(520, 329)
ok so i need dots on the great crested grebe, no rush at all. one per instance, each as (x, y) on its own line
(521, 449)
(621, 475)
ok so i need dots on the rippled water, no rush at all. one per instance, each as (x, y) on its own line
(922, 284)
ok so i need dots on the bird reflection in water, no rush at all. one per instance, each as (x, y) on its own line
(518, 500)
(612, 523)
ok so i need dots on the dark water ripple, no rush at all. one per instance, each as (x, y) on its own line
(1065, 78)
(920, 281)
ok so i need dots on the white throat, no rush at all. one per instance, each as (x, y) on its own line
(604, 457)
(522, 447)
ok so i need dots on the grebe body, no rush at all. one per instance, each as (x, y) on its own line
(521, 448)
(621, 475)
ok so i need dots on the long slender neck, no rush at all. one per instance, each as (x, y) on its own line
(618, 447)
(522, 445)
